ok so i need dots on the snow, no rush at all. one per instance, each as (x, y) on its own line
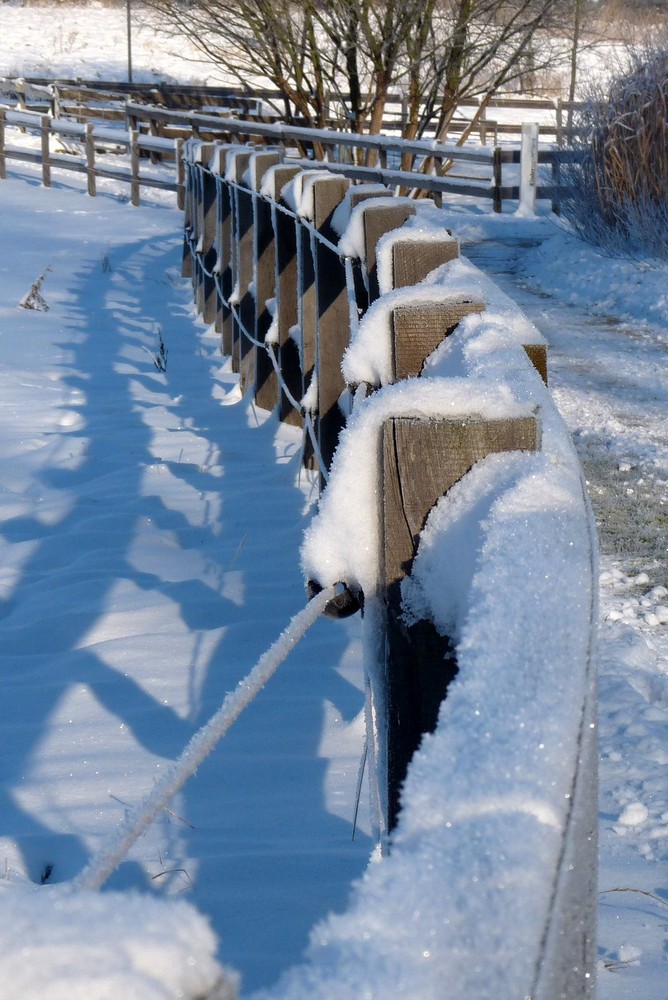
(135, 592)
(342, 542)
(136, 513)
(92, 946)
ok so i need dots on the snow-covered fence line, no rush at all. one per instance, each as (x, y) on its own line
(413, 166)
(454, 511)
(94, 99)
(421, 165)
(86, 148)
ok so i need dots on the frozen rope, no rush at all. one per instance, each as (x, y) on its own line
(140, 817)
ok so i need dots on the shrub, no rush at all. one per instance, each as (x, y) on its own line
(618, 189)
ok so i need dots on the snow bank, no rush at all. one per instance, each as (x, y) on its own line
(472, 900)
(92, 946)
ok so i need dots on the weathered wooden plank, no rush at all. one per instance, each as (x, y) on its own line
(333, 331)
(45, 127)
(207, 302)
(89, 143)
(421, 460)
(286, 299)
(264, 263)
(379, 220)
(413, 260)
(241, 258)
(537, 354)
(417, 330)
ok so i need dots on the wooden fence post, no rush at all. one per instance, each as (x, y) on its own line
(418, 329)
(45, 126)
(420, 461)
(206, 252)
(198, 224)
(180, 174)
(264, 266)
(90, 159)
(413, 260)
(333, 317)
(242, 268)
(497, 178)
(186, 259)
(3, 167)
(134, 168)
(379, 220)
(286, 298)
(223, 249)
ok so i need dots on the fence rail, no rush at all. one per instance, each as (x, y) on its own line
(83, 146)
(96, 100)
(330, 299)
(158, 134)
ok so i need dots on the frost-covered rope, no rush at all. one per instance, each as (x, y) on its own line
(140, 817)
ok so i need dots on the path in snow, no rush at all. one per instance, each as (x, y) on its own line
(609, 380)
(149, 553)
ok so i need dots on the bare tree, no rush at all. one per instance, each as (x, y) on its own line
(341, 59)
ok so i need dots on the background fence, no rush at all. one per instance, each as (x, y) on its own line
(89, 130)
(97, 100)
(328, 301)
(108, 151)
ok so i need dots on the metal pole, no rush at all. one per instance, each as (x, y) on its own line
(129, 32)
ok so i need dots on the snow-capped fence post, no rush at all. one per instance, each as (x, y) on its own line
(223, 247)
(286, 298)
(333, 328)
(529, 167)
(417, 330)
(206, 248)
(45, 128)
(413, 260)
(243, 313)
(203, 236)
(378, 220)
(264, 254)
(420, 461)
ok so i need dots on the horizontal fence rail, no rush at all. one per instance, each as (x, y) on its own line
(104, 100)
(352, 315)
(157, 134)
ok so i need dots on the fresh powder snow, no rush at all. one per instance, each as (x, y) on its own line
(151, 525)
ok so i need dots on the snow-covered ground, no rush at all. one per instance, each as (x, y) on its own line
(140, 533)
(152, 518)
(606, 322)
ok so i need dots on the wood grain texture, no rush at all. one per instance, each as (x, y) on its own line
(417, 330)
(421, 460)
(537, 354)
(413, 260)
(378, 220)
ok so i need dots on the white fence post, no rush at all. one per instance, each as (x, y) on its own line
(529, 167)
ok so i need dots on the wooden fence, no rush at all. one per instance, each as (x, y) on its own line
(264, 251)
(97, 100)
(88, 149)
(420, 166)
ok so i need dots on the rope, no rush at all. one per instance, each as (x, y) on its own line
(140, 817)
